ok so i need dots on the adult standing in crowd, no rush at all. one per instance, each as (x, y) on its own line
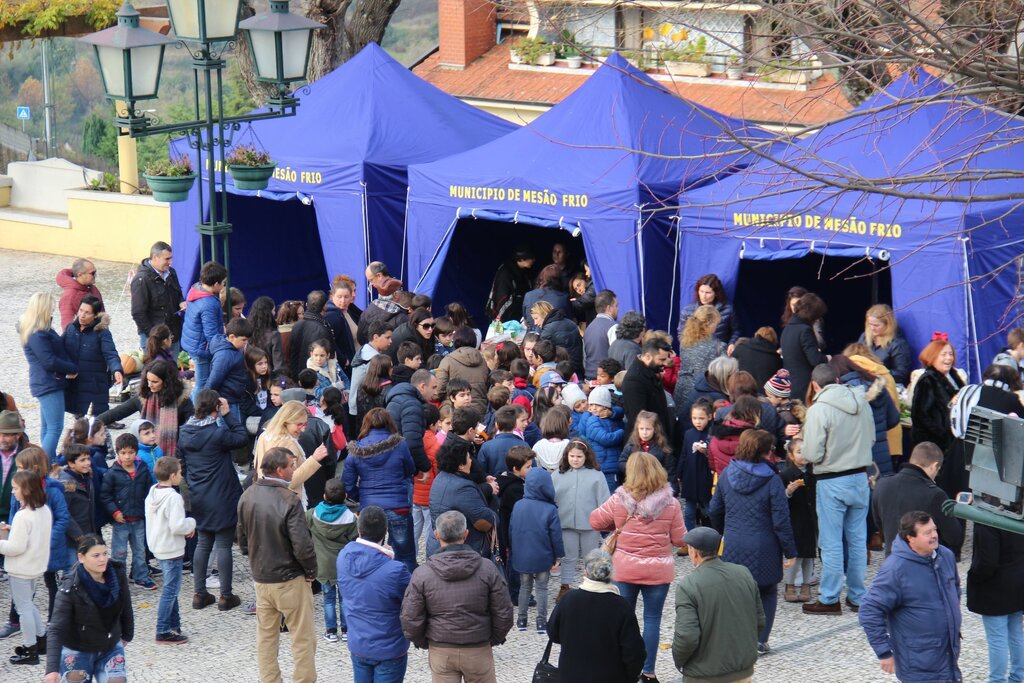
(800, 349)
(914, 488)
(884, 411)
(162, 400)
(883, 337)
(648, 522)
(265, 333)
(204, 321)
(12, 442)
(405, 403)
(283, 431)
(272, 531)
(793, 295)
(391, 305)
(709, 291)
(454, 489)
(90, 346)
(378, 472)
(698, 346)
(719, 615)
(310, 328)
(49, 367)
(714, 386)
(342, 315)
(929, 409)
(839, 431)
(78, 282)
(759, 355)
(864, 359)
(419, 329)
(156, 294)
(595, 337)
(549, 288)
(465, 362)
(994, 592)
(628, 333)
(511, 283)
(641, 388)
(204, 448)
(372, 584)
(557, 328)
(911, 615)
(457, 606)
(750, 507)
(583, 295)
(92, 618)
(597, 628)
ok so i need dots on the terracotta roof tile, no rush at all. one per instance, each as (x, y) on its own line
(490, 78)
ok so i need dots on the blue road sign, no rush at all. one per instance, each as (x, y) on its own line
(24, 113)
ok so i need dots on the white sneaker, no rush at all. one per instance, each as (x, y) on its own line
(212, 582)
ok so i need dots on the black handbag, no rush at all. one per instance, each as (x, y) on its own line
(544, 671)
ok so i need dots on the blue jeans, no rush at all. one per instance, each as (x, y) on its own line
(51, 417)
(770, 603)
(333, 607)
(400, 538)
(654, 601)
(365, 670)
(202, 374)
(690, 510)
(167, 617)
(842, 512)
(1005, 648)
(134, 533)
(612, 482)
(98, 667)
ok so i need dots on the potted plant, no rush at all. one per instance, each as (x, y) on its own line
(170, 179)
(529, 51)
(784, 71)
(250, 167)
(547, 54)
(567, 50)
(689, 60)
(735, 69)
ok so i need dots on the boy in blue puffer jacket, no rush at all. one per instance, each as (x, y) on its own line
(228, 375)
(125, 487)
(536, 534)
(604, 433)
(204, 321)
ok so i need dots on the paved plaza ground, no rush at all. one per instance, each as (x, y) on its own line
(808, 649)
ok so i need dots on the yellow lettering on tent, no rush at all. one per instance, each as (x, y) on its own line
(852, 225)
(545, 197)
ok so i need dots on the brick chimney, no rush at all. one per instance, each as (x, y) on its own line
(466, 29)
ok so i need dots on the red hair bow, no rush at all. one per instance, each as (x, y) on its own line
(940, 336)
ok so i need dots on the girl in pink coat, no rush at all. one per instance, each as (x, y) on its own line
(651, 524)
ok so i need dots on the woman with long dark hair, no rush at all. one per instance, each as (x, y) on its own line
(419, 329)
(162, 399)
(90, 346)
(373, 390)
(265, 334)
(709, 291)
(793, 295)
(800, 349)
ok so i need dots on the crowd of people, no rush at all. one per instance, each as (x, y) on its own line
(338, 447)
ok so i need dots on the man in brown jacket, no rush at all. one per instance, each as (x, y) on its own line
(272, 531)
(458, 606)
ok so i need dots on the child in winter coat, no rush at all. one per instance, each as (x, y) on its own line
(329, 374)
(167, 527)
(580, 488)
(725, 435)
(604, 433)
(125, 486)
(26, 551)
(228, 374)
(574, 398)
(149, 451)
(647, 437)
(421, 483)
(803, 517)
(536, 536)
(554, 427)
(518, 462)
(333, 526)
(80, 496)
(694, 472)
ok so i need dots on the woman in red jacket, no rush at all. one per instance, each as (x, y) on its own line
(649, 523)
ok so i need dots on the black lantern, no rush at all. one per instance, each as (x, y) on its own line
(280, 43)
(130, 57)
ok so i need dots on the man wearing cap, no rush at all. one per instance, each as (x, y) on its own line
(718, 615)
(511, 283)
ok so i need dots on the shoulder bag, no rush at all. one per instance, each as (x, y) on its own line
(613, 538)
(546, 672)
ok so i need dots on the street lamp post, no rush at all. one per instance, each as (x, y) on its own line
(130, 60)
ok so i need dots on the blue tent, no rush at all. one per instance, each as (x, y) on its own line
(607, 163)
(954, 265)
(346, 153)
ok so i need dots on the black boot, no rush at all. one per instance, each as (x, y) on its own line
(25, 655)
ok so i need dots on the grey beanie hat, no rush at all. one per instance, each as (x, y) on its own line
(598, 565)
(571, 394)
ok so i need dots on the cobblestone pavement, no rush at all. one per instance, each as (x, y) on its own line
(809, 649)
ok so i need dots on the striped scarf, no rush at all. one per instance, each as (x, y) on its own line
(166, 420)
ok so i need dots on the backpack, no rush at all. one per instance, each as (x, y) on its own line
(960, 409)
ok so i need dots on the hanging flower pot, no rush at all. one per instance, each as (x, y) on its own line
(170, 180)
(250, 168)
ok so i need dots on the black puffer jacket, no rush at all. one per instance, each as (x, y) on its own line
(760, 358)
(800, 355)
(205, 453)
(405, 404)
(561, 331)
(78, 624)
(125, 493)
(155, 300)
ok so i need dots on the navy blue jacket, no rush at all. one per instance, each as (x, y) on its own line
(80, 497)
(204, 320)
(47, 363)
(372, 585)
(751, 510)
(228, 375)
(492, 453)
(560, 330)
(535, 531)
(886, 416)
(58, 533)
(912, 612)
(459, 492)
(693, 470)
(93, 351)
(126, 493)
(379, 471)
(405, 404)
(205, 454)
(727, 331)
(558, 300)
(896, 356)
(605, 436)
(663, 455)
(800, 354)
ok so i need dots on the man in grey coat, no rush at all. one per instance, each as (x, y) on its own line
(595, 338)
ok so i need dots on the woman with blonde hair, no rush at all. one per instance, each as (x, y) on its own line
(884, 339)
(698, 346)
(283, 431)
(864, 358)
(646, 522)
(49, 367)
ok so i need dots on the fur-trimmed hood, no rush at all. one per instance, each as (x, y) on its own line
(376, 442)
(876, 389)
(650, 507)
(101, 323)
